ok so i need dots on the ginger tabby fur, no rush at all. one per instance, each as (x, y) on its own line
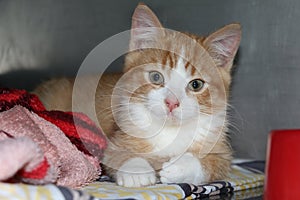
(135, 156)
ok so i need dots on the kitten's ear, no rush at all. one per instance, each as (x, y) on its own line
(144, 27)
(223, 44)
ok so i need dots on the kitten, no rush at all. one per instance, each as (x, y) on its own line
(165, 115)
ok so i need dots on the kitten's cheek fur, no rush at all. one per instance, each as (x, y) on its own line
(186, 169)
(136, 172)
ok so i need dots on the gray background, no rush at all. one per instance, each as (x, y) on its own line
(41, 39)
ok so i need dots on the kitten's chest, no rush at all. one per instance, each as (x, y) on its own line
(173, 141)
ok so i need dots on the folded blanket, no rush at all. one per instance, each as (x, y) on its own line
(244, 182)
(39, 146)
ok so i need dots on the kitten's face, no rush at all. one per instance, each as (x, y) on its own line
(174, 98)
(178, 80)
(162, 89)
(168, 90)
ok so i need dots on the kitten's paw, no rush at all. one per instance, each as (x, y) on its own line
(136, 172)
(185, 169)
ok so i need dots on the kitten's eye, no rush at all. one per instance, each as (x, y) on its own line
(195, 85)
(156, 78)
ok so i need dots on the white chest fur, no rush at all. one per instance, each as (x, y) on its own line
(174, 141)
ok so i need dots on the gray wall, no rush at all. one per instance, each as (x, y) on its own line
(40, 39)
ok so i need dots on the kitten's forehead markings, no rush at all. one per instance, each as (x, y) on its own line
(170, 61)
(178, 77)
(180, 61)
(180, 67)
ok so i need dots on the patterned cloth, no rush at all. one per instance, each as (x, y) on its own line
(244, 182)
(240, 179)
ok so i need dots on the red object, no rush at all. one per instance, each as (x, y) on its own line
(78, 128)
(283, 165)
(11, 97)
(38, 173)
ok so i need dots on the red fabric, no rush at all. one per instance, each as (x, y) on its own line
(38, 173)
(80, 130)
(77, 127)
(11, 97)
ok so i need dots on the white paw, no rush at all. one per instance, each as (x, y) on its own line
(184, 169)
(136, 172)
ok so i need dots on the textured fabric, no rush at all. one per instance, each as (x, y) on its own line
(28, 145)
(11, 97)
(25, 152)
(107, 190)
(240, 179)
(29, 192)
(80, 130)
(232, 188)
(71, 143)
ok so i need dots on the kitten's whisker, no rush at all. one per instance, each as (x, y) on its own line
(206, 114)
(114, 107)
(110, 107)
(131, 97)
(123, 88)
(109, 110)
(232, 124)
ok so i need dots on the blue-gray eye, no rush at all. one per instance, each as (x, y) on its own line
(156, 78)
(195, 85)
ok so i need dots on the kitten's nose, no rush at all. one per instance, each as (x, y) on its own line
(172, 103)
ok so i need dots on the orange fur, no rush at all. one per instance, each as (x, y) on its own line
(56, 94)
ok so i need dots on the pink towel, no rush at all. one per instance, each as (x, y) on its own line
(67, 165)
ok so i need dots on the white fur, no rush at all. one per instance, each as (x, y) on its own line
(180, 66)
(180, 62)
(185, 169)
(136, 172)
(174, 141)
(176, 131)
(175, 87)
(170, 134)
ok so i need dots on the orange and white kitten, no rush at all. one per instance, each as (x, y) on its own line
(165, 115)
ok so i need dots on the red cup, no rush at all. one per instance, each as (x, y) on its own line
(283, 166)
